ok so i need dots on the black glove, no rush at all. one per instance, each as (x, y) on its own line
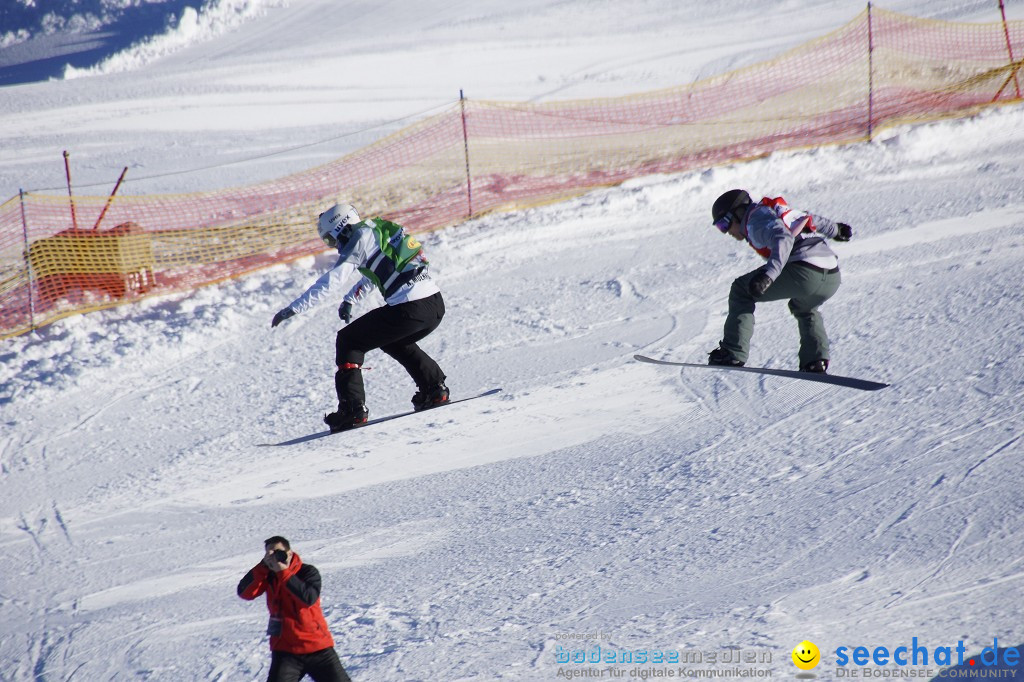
(844, 234)
(281, 316)
(759, 284)
(345, 311)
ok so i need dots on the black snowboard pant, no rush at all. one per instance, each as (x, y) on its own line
(321, 666)
(394, 329)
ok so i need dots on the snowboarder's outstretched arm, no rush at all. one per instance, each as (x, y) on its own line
(351, 256)
(317, 293)
(826, 227)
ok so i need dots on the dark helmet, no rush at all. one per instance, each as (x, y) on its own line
(728, 203)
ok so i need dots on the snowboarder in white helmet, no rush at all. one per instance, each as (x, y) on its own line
(799, 267)
(392, 261)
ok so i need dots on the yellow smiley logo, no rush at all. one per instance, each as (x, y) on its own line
(806, 655)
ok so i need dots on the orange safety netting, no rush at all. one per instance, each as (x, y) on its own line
(881, 69)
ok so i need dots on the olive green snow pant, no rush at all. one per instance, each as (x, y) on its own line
(805, 286)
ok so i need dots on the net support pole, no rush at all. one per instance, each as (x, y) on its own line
(28, 264)
(71, 197)
(110, 199)
(465, 145)
(871, 76)
(1009, 48)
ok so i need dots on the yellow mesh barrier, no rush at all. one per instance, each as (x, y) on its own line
(881, 69)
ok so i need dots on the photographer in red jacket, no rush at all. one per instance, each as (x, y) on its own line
(300, 642)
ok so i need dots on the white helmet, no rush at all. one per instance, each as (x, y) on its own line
(335, 224)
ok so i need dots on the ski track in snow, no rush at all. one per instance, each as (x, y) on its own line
(663, 508)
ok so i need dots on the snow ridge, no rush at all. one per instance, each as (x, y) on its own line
(191, 26)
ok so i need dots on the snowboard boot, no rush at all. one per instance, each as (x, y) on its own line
(720, 356)
(427, 398)
(348, 416)
(815, 367)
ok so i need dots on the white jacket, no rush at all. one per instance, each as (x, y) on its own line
(354, 254)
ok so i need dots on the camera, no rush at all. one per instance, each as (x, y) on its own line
(281, 556)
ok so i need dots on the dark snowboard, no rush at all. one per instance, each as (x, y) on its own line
(849, 382)
(378, 420)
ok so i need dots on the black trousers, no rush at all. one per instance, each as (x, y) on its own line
(394, 329)
(321, 666)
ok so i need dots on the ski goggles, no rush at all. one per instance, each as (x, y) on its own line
(332, 241)
(724, 223)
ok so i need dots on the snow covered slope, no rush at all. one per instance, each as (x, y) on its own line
(596, 501)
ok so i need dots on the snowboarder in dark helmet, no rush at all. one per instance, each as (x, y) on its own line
(393, 262)
(800, 267)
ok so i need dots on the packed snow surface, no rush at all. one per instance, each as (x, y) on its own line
(594, 502)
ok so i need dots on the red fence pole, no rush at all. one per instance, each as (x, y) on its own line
(110, 199)
(71, 197)
(871, 76)
(465, 142)
(1009, 47)
(28, 264)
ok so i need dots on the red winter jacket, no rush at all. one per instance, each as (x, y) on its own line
(293, 596)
